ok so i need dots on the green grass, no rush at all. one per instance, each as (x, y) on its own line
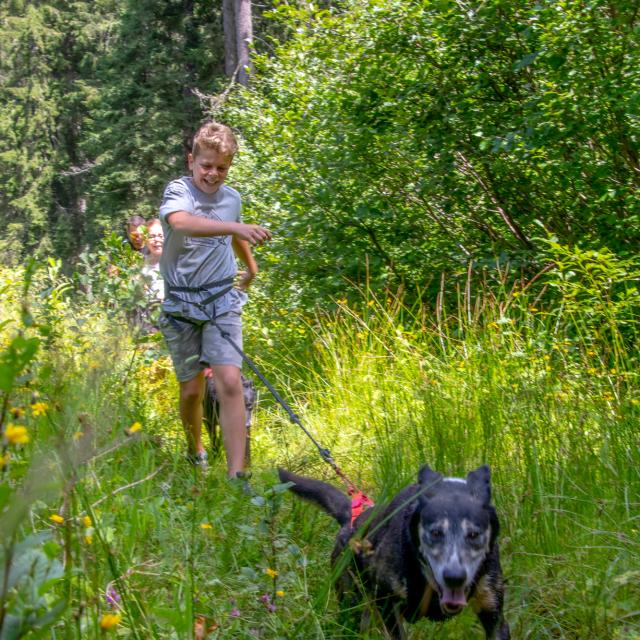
(551, 404)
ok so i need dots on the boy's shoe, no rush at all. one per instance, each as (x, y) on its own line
(200, 460)
(241, 481)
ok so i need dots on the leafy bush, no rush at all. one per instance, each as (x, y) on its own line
(393, 141)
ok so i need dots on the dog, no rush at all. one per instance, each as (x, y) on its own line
(426, 553)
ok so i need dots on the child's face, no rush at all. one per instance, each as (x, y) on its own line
(209, 169)
(135, 236)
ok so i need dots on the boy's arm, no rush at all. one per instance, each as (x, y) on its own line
(199, 227)
(242, 250)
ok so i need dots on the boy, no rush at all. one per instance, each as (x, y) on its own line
(201, 220)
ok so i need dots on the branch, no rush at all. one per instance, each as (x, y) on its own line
(467, 168)
(76, 171)
(216, 101)
(125, 487)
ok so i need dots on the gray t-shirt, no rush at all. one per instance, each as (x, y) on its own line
(195, 262)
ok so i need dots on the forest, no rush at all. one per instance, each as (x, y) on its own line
(452, 192)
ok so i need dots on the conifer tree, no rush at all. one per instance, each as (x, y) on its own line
(162, 56)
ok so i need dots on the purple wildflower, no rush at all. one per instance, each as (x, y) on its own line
(271, 608)
(265, 598)
(112, 597)
(235, 612)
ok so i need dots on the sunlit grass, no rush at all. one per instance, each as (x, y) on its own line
(548, 404)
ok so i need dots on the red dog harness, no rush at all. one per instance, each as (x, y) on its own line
(359, 502)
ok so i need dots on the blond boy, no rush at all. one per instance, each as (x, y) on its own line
(203, 235)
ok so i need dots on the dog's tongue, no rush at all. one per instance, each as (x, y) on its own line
(453, 597)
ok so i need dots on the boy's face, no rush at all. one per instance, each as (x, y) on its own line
(209, 169)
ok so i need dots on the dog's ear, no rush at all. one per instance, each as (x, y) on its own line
(427, 477)
(479, 483)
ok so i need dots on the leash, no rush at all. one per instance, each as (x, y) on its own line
(359, 500)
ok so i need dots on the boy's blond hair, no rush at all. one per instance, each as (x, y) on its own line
(216, 136)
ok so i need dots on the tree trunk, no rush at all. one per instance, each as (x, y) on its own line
(244, 38)
(229, 30)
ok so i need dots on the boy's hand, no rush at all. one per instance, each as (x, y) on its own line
(245, 278)
(253, 233)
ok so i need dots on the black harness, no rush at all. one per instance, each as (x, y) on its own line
(170, 292)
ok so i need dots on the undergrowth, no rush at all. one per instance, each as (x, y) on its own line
(107, 530)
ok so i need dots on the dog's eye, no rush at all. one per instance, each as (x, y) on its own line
(472, 535)
(436, 534)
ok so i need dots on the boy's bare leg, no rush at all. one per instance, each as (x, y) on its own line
(191, 393)
(232, 415)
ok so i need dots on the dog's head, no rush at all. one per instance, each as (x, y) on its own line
(455, 526)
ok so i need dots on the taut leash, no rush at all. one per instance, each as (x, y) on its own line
(359, 500)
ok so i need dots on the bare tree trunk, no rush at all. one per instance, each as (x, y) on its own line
(229, 30)
(244, 38)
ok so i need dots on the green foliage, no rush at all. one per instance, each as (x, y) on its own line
(34, 571)
(47, 62)
(550, 401)
(391, 140)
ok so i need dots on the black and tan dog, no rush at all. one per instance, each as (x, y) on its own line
(426, 553)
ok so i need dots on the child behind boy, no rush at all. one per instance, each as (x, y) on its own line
(203, 230)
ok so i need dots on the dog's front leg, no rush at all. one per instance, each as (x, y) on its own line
(495, 626)
(393, 622)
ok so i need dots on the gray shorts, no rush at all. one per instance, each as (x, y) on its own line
(195, 347)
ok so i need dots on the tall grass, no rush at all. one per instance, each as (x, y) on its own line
(548, 397)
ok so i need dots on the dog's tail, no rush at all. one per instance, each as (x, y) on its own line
(326, 496)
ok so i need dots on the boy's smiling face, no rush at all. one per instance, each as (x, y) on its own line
(209, 168)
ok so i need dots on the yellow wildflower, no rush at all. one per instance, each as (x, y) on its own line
(4, 460)
(109, 621)
(39, 408)
(280, 593)
(136, 426)
(16, 434)
(205, 525)
(86, 521)
(371, 303)
(591, 371)
(58, 519)
(77, 435)
(272, 573)
(88, 539)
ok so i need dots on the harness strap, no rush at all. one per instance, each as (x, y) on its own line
(359, 503)
(204, 287)
(204, 302)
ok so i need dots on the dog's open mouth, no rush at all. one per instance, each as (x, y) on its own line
(452, 600)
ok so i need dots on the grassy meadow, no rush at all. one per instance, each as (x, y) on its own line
(106, 531)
